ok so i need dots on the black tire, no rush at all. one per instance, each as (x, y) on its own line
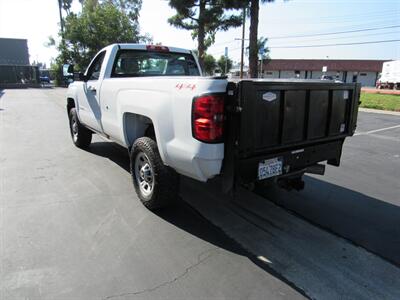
(147, 169)
(81, 136)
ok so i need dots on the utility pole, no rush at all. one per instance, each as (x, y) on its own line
(243, 31)
(226, 60)
(261, 55)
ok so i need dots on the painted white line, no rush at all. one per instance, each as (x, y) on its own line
(378, 130)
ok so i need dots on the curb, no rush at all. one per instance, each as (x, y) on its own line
(378, 111)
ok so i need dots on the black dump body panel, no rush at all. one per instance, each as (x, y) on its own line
(268, 118)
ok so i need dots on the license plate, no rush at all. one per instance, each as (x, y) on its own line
(270, 168)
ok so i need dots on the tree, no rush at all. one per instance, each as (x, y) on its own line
(262, 51)
(209, 64)
(99, 24)
(224, 62)
(204, 18)
(131, 8)
(262, 48)
(253, 57)
(96, 27)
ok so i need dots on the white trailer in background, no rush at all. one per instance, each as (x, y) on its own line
(390, 76)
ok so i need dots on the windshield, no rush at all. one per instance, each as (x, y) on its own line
(134, 63)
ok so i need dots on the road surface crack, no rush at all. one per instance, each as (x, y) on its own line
(202, 257)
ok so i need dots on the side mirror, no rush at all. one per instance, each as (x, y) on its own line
(70, 69)
(78, 76)
(82, 77)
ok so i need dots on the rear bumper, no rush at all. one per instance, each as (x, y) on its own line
(194, 159)
(294, 160)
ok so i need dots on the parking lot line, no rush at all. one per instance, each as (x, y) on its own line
(377, 130)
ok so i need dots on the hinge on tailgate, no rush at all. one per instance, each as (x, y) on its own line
(231, 91)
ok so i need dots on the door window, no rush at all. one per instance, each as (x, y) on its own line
(95, 68)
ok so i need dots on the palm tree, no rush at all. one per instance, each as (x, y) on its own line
(262, 48)
(262, 52)
(253, 56)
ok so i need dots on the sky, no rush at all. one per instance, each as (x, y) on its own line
(284, 23)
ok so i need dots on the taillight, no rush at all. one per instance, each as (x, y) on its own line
(208, 118)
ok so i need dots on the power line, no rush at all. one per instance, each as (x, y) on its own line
(351, 36)
(352, 16)
(336, 19)
(319, 45)
(306, 21)
(337, 44)
(224, 43)
(331, 33)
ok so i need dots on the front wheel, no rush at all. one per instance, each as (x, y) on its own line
(156, 184)
(81, 136)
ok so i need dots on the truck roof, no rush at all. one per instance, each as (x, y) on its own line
(144, 47)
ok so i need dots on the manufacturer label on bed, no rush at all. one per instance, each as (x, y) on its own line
(269, 96)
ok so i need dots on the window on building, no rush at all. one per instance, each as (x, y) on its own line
(297, 74)
(363, 74)
(269, 73)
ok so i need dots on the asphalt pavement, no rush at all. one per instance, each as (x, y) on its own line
(72, 227)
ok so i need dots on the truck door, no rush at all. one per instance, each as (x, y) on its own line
(89, 96)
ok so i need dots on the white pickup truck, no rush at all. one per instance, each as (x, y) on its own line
(154, 101)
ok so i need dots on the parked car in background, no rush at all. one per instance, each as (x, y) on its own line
(327, 77)
(330, 78)
(44, 79)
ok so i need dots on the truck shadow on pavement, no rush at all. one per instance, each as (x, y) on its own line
(186, 218)
(207, 214)
(366, 221)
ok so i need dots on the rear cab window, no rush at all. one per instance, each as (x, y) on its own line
(141, 63)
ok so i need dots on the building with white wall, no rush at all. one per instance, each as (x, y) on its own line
(364, 71)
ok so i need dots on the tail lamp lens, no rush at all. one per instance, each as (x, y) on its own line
(208, 118)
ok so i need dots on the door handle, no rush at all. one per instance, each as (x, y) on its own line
(92, 89)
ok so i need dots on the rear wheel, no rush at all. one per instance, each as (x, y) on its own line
(155, 184)
(81, 136)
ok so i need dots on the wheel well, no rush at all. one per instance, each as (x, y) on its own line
(70, 104)
(136, 126)
(150, 132)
